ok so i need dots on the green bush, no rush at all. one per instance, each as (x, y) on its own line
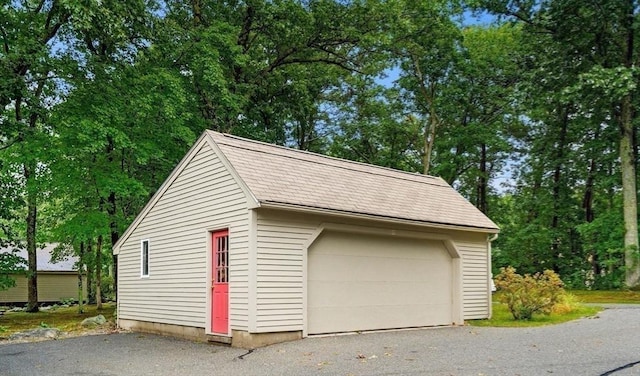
(566, 304)
(529, 294)
(108, 294)
(68, 301)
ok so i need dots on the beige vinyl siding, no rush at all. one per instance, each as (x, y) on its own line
(475, 282)
(52, 287)
(279, 271)
(282, 237)
(16, 294)
(203, 197)
(55, 287)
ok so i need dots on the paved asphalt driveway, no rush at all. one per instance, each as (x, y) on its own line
(607, 345)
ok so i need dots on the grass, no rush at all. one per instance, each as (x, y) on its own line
(502, 317)
(66, 319)
(602, 297)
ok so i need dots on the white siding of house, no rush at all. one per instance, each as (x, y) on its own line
(475, 278)
(204, 197)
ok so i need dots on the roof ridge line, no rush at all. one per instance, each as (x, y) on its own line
(341, 160)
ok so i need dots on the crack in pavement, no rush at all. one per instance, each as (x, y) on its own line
(241, 357)
(628, 365)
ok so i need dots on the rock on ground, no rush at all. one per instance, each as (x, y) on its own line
(50, 333)
(94, 321)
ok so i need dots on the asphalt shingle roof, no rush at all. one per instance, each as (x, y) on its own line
(44, 259)
(282, 175)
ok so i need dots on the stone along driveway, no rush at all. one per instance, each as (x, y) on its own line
(606, 345)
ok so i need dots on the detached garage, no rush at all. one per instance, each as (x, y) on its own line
(57, 280)
(249, 243)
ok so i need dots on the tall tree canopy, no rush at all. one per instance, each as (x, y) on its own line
(100, 99)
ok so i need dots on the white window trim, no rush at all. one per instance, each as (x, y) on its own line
(142, 275)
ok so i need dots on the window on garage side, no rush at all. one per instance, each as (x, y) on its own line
(144, 258)
(221, 256)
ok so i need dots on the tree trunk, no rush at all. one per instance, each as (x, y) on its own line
(99, 273)
(630, 198)
(91, 294)
(111, 209)
(80, 278)
(481, 189)
(628, 166)
(587, 205)
(428, 95)
(32, 276)
(557, 183)
(587, 200)
(429, 141)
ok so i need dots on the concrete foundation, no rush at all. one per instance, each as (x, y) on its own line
(239, 338)
(248, 340)
(186, 332)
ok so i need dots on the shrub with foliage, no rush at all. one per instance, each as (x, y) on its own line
(529, 294)
(566, 304)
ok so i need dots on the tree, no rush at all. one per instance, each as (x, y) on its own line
(253, 65)
(10, 264)
(587, 55)
(110, 164)
(27, 92)
(369, 125)
(426, 43)
(48, 48)
(481, 114)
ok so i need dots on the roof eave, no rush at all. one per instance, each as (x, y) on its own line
(358, 215)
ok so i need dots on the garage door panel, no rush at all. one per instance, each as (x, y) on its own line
(350, 268)
(334, 294)
(366, 282)
(385, 317)
(349, 244)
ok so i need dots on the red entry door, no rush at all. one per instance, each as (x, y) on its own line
(220, 283)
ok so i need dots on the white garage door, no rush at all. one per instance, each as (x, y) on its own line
(365, 282)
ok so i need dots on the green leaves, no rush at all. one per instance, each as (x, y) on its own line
(528, 294)
(577, 93)
(610, 83)
(10, 264)
(100, 99)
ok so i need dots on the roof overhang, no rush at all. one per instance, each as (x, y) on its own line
(373, 217)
